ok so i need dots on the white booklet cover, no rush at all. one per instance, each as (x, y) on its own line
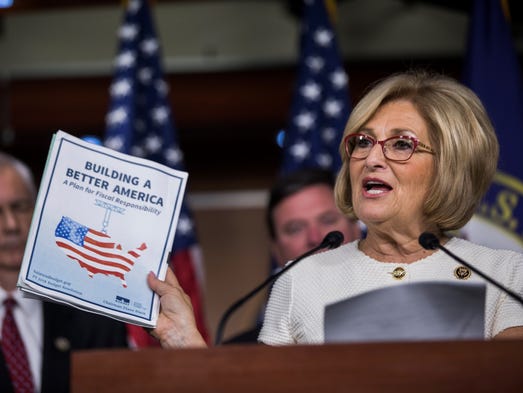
(102, 221)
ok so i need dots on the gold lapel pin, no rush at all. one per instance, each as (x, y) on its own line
(462, 273)
(398, 273)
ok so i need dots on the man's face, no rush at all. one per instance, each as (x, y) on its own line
(16, 209)
(302, 220)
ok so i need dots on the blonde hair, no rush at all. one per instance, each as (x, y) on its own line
(460, 132)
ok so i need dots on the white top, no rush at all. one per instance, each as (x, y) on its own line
(295, 310)
(30, 322)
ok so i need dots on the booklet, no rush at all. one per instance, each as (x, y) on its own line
(102, 221)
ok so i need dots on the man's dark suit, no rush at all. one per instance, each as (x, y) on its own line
(247, 337)
(67, 329)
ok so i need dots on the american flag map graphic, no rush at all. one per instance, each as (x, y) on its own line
(95, 251)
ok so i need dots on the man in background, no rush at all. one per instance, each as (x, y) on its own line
(49, 331)
(301, 210)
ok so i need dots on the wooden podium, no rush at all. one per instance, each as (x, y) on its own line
(459, 366)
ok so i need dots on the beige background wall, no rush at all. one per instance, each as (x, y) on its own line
(234, 239)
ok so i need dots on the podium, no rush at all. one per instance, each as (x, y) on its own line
(447, 366)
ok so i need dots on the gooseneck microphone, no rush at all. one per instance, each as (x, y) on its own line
(429, 241)
(331, 240)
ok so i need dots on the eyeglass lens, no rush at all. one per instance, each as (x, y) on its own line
(396, 148)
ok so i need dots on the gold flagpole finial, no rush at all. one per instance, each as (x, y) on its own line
(332, 10)
(506, 9)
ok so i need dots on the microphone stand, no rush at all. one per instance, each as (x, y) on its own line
(430, 241)
(513, 294)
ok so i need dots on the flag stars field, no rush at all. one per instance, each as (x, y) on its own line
(161, 87)
(121, 88)
(149, 46)
(118, 116)
(328, 135)
(332, 108)
(153, 144)
(305, 121)
(324, 160)
(126, 59)
(311, 91)
(128, 32)
(138, 151)
(145, 75)
(323, 37)
(315, 63)
(185, 225)
(320, 104)
(300, 150)
(339, 79)
(115, 143)
(160, 114)
(173, 156)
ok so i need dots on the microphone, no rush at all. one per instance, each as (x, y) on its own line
(331, 240)
(429, 241)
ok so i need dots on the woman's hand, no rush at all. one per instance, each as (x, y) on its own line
(176, 326)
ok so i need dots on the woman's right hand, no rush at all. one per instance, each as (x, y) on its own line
(176, 325)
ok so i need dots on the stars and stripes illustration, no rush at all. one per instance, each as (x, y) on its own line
(95, 251)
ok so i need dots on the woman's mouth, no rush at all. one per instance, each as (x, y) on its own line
(375, 187)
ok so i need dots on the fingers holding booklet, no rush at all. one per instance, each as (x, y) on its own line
(176, 325)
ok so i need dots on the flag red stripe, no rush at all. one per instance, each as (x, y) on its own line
(95, 270)
(112, 255)
(88, 239)
(88, 257)
(98, 233)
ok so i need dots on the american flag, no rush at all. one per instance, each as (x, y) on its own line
(140, 122)
(320, 106)
(95, 251)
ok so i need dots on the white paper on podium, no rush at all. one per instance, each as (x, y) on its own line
(409, 312)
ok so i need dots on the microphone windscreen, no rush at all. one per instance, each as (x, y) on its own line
(332, 240)
(428, 241)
